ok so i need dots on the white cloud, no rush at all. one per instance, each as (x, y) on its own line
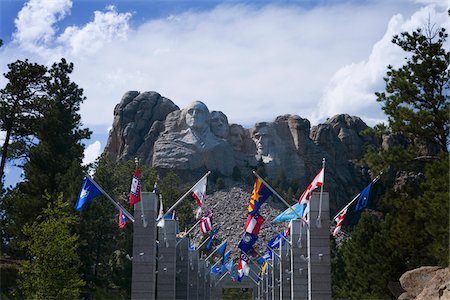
(92, 152)
(253, 63)
(351, 89)
(36, 21)
(90, 38)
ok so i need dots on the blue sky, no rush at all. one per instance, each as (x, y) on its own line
(253, 60)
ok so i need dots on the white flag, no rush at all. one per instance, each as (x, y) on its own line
(199, 193)
(161, 214)
(317, 182)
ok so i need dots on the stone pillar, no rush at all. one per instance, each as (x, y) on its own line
(286, 257)
(320, 249)
(207, 278)
(182, 278)
(201, 279)
(144, 250)
(193, 274)
(300, 265)
(165, 287)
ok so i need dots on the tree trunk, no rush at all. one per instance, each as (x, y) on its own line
(5, 153)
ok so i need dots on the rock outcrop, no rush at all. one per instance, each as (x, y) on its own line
(193, 140)
(426, 283)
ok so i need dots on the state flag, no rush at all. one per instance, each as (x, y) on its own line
(135, 190)
(88, 191)
(254, 223)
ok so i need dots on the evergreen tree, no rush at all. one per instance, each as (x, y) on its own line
(52, 270)
(417, 97)
(55, 163)
(20, 108)
(412, 230)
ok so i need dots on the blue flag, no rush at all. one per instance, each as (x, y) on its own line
(88, 192)
(289, 213)
(363, 198)
(211, 238)
(247, 242)
(221, 248)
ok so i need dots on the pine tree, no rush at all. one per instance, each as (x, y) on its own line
(20, 108)
(52, 269)
(55, 163)
(417, 97)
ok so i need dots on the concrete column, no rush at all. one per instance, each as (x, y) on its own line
(286, 256)
(300, 265)
(320, 249)
(165, 287)
(202, 279)
(144, 249)
(182, 278)
(207, 276)
(193, 275)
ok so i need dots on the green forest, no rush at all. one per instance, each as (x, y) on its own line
(49, 251)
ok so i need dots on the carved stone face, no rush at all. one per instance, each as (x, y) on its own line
(197, 115)
(219, 124)
(262, 136)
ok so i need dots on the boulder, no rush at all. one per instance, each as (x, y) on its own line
(426, 283)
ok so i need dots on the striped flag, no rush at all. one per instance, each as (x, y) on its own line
(339, 220)
(205, 224)
(317, 182)
(243, 268)
(199, 193)
(254, 224)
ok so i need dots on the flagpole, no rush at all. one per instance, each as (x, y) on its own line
(189, 231)
(279, 197)
(215, 251)
(144, 219)
(318, 221)
(204, 242)
(120, 207)
(308, 233)
(356, 197)
(182, 197)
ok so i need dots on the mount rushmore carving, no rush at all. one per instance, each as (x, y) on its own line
(193, 139)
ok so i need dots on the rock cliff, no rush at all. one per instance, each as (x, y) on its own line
(193, 140)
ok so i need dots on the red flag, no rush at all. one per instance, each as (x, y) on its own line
(205, 224)
(339, 220)
(135, 192)
(317, 181)
(122, 219)
(254, 224)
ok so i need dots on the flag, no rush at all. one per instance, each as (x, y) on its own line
(221, 248)
(263, 270)
(317, 182)
(247, 242)
(161, 214)
(274, 243)
(154, 186)
(135, 191)
(88, 191)
(211, 238)
(289, 213)
(122, 219)
(243, 268)
(363, 198)
(254, 223)
(339, 220)
(260, 194)
(229, 266)
(222, 267)
(199, 193)
(266, 256)
(205, 224)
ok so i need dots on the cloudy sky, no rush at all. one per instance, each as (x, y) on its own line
(253, 60)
